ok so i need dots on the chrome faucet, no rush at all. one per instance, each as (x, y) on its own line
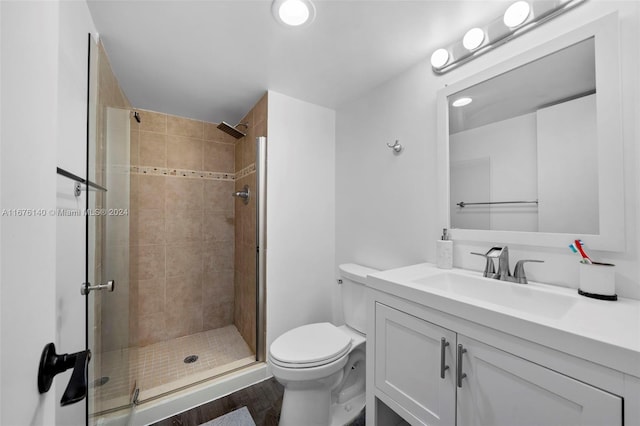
(504, 273)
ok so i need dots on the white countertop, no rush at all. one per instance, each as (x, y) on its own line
(604, 332)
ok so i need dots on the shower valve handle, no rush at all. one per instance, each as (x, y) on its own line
(244, 194)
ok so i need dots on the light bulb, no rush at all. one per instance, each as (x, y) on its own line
(439, 58)
(473, 39)
(294, 13)
(460, 102)
(516, 14)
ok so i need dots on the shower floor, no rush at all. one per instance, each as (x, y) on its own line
(160, 368)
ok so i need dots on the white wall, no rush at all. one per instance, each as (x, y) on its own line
(512, 173)
(43, 126)
(568, 167)
(386, 205)
(300, 214)
(28, 158)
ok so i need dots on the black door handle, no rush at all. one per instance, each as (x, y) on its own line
(52, 364)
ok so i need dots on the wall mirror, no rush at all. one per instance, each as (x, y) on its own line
(530, 150)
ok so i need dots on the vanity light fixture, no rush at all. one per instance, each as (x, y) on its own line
(293, 13)
(520, 17)
(460, 102)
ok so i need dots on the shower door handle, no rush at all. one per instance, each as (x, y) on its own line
(87, 288)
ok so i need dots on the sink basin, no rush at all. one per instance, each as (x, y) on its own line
(529, 298)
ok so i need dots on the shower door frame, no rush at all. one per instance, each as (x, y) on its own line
(261, 247)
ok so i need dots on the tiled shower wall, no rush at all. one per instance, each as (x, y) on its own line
(182, 227)
(245, 231)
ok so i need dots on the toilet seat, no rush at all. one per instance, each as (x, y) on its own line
(310, 346)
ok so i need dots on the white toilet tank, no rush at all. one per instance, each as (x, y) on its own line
(354, 295)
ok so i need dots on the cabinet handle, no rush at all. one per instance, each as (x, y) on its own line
(459, 374)
(443, 366)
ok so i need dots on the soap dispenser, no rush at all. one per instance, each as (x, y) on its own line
(444, 251)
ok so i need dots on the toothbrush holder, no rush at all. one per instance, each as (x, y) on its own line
(598, 280)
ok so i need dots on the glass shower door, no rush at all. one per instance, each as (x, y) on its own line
(111, 380)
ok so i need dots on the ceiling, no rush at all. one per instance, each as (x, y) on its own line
(212, 60)
(528, 88)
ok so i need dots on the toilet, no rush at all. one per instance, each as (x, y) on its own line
(322, 366)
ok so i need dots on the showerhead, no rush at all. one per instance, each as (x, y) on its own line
(231, 130)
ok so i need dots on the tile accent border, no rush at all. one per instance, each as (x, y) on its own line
(251, 168)
(163, 171)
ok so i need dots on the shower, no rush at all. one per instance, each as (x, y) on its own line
(231, 130)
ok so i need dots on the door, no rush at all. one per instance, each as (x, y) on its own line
(415, 365)
(111, 381)
(501, 389)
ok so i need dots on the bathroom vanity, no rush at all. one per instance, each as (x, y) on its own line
(454, 348)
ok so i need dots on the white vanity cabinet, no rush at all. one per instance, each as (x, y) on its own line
(502, 389)
(414, 365)
(432, 374)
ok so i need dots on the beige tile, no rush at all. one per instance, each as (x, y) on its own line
(217, 256)
(151, 192)
(183, 306)
(184, 227)
(248, 120)
(153, 121)
(133, 227)
(260, 111)
(150, 226)
(151, 296)
(218, 315)
(180, 126)
(260, 129)
(150, 262)
(218, 196)
(212, 133)
(218, 227)
(153, 149)
(218, 157)
(184, 259)
(238, 155)
(248, 147)
(134, 147)
(133, 191)
(184, 194)
(184, 153)
(218, 287)
(151, 329)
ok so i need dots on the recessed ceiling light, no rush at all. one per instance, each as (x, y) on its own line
(439, 58)
(294, 13)
(461, 102)
(473, 39)
(516, 14)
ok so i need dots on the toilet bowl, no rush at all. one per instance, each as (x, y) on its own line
(322, 366)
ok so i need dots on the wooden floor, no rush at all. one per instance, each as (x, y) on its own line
(263, 401)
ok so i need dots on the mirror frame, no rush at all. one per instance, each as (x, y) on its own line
(605, 30)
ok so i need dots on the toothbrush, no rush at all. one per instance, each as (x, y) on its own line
(578, 245)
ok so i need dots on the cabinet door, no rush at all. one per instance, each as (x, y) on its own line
(408, 364)
(503, 389)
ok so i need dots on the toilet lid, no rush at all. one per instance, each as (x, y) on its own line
(312, 344)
